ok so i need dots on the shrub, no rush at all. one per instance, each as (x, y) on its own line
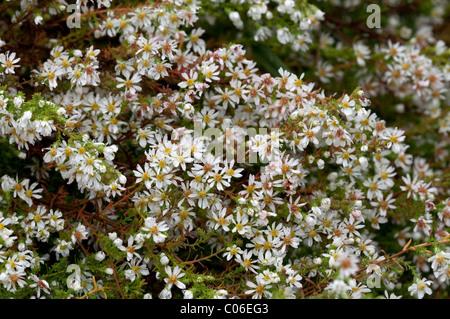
(215, 149)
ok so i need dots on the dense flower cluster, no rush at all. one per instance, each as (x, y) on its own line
(142, 162)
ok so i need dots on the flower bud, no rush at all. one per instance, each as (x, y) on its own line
(310, 220)
(109, 271)
(236, 19)
(363, 162)
(100, 256)
(112, 236)
(165, 294)
(61, 111)
(164, 260)
(242, 201)
(400, 108)
(325, 203)
(187, 294)
(18, 100)
(118, 242)
(320, 163)
(332, 176)
(77, 53)
(122, 179)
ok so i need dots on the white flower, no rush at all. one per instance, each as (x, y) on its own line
(221, 294)
(347, 263)
(173, 277)
(38, 20)
(18, 100)
(8, 61)
(236, 19)
(420, 288)
(165, 294)
(284, 36)
(258, 289)
(362, 53)
(164, 260)
(155, 229)
(395, 137)
(100, 256)
(130, 83)
(136, 268)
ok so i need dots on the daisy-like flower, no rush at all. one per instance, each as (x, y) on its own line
(80, 233)
(137, 268)
(358, 289)
(189, 79)
(246, 261)
(30, 192)
(114, 189)
(144, 175)
(231, 172)
(226, 96)
(173, 277)
(131, 248)
(4, 231)
(362, 53)
(163, 177)
(147, 47)
(51, 73)
(259, 289)
(210, 71)
(423, 224)
(347, 105)
(39, 285)
(439, 260)
(13, 280)
(324, 71)
(384, 204)
(232, 252)
(411, 186)
(395, 137)
(220, 219)
(420, 288)
(309, 136)
(89, 164)
(155, 229)
(375, 187)
(130, 83)
(241, 224)
(195, 42)
(180, 158)
(348, 264)
(345, 157)
(8, 61)
(159, 71)
(218, 180)
(294, 208)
